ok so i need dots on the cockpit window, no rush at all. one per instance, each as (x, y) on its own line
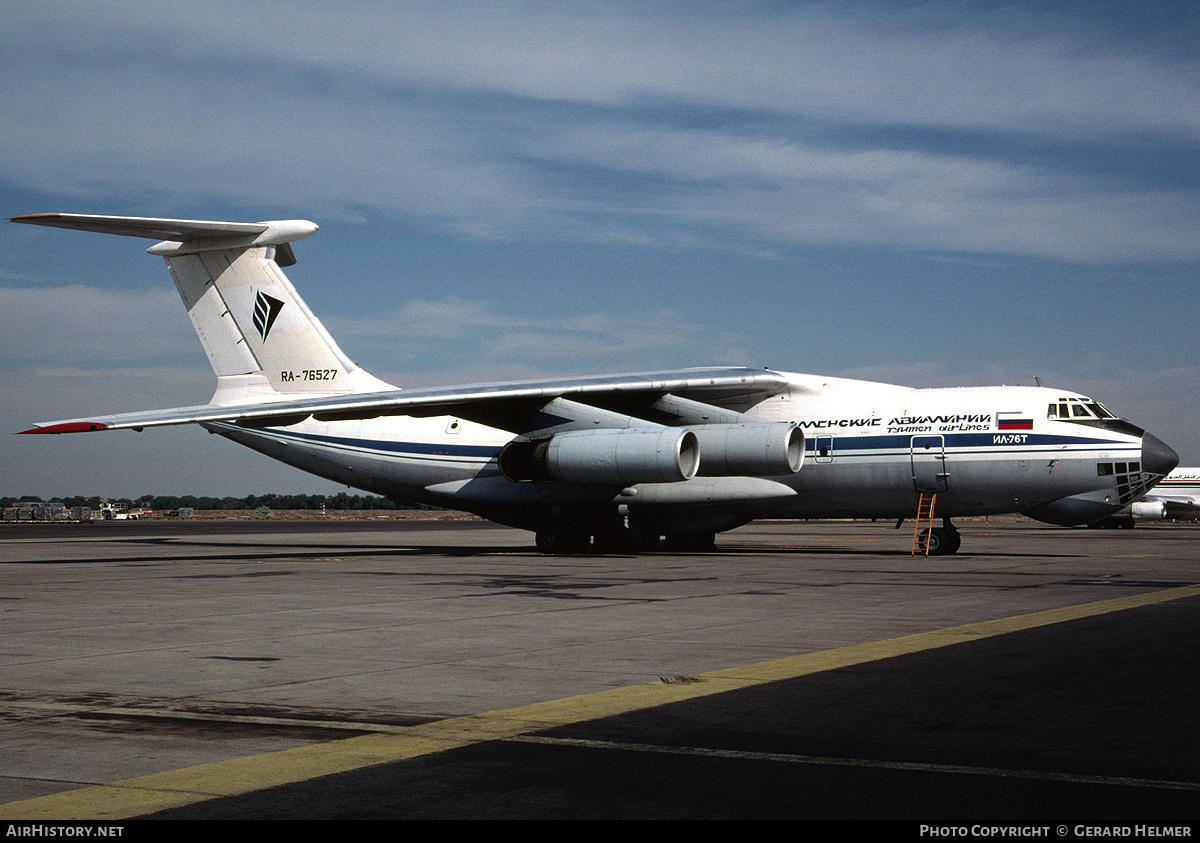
(1078, 408)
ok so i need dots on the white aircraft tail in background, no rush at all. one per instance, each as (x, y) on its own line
(1176, 497)
(621, 460)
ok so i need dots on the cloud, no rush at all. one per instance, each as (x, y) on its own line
(452, 339)
(92, 329)
(678, 126)
(826, 184)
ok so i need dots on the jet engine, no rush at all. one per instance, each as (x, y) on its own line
(629, 456)
(749, 450)
(622, 456)
(1148, 510)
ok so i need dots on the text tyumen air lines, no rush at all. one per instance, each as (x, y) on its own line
(620, 460)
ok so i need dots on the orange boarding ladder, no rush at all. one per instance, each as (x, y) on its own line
(924, 514)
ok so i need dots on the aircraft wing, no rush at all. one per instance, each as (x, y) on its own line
(510, 406)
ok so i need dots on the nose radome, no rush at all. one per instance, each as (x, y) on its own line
(1157, 456)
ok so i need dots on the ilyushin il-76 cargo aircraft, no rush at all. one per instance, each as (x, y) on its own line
(623, 460)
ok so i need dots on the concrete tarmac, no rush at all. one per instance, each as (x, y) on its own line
(416, 669)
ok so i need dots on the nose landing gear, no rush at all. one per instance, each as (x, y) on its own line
(939, 541)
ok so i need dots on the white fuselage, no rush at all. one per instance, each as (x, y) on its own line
(871, 450)
(626, 458)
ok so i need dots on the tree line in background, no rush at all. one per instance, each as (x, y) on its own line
(172, 502)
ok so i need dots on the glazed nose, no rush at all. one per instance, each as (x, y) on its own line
(1157, 456)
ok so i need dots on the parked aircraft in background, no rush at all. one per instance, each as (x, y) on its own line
(620, 460)
(1176, 497)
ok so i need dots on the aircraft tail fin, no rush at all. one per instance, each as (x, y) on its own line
(260, 337)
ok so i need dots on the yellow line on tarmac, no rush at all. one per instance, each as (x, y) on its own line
(158, 791)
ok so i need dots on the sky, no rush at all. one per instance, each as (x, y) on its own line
(931, 194)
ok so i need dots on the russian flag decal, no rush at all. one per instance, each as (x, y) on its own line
(1013, 421)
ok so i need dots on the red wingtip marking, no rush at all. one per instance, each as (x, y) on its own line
(70, 427)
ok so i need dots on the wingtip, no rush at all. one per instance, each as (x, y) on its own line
(69, 427)
(32, 217)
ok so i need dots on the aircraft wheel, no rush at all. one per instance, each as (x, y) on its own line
(953, 541)
(561, 541)
(940, 541)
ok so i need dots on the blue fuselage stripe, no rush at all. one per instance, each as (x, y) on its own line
(991, 441)
(886, 445)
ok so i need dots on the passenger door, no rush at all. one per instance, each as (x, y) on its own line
(929, 463)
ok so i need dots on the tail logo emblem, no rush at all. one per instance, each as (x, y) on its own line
(266, 308)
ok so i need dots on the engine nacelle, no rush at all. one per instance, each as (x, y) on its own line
(622, 456)
(749, 450)
(1148, 510)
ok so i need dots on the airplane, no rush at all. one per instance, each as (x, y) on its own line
(617, 463)
(1175, 497)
